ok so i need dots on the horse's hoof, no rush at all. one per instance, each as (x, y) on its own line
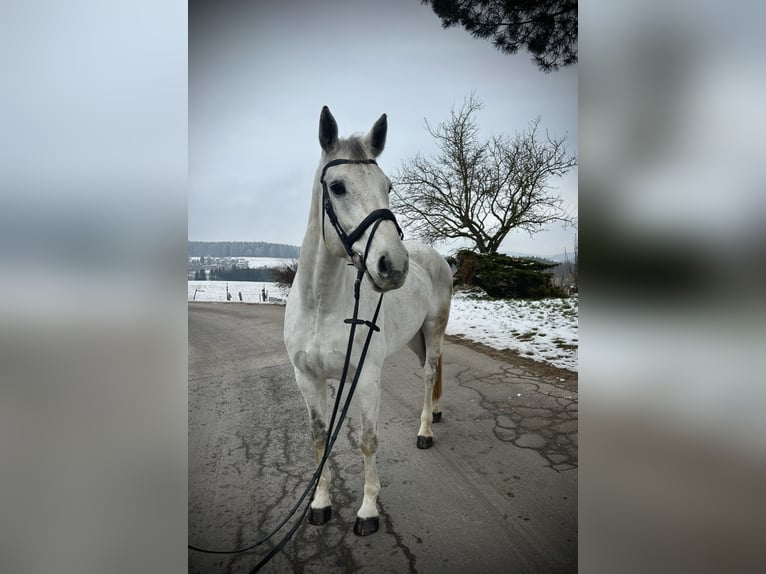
(437, 417)
(319, 516)
(366, 526)
(425, 441)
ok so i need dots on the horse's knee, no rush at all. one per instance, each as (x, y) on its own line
(369, 444)
(318, 426)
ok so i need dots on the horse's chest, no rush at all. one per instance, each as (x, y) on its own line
(318, 347)
(321, 356)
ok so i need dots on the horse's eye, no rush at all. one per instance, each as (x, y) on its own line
(338, 188)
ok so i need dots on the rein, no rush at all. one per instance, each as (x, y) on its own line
(375, 219)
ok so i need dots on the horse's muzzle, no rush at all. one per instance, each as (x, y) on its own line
(388, 274)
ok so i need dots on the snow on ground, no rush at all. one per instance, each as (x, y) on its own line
(257, 262)
(543, 330)
(251, 291)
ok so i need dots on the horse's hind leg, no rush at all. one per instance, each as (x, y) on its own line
(368, 391)
(315, 394)
(425, 434)
(437, 392)
(432, 339)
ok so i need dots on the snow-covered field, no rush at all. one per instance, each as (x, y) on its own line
(543, 330)
(252, 291)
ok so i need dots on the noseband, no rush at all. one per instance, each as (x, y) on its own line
(375, 218)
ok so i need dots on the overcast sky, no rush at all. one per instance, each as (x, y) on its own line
(260, 72)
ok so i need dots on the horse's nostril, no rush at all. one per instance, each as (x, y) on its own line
(384, 266)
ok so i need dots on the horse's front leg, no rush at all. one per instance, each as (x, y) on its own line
(368, 390)
(315, 394)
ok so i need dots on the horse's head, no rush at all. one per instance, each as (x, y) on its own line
(357, 221)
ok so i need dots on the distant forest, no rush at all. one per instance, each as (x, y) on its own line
(242, 249)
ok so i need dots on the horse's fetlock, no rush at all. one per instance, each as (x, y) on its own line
(372, 489)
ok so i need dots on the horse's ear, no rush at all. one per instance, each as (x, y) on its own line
(328, 130)
(376, 139)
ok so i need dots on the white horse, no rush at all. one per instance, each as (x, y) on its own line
(415, 310)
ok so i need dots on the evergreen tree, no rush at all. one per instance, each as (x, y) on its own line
(547, 29)
(506, 277)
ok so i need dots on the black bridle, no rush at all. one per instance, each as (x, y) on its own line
(375, 218)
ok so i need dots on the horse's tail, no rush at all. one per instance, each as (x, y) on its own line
(437, 393)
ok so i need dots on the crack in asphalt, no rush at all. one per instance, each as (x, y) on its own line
(318, 543)
(546, 422)
(388, 525)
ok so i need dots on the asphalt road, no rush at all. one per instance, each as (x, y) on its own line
(496, 493)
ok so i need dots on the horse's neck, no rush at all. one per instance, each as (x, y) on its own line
(323, 277)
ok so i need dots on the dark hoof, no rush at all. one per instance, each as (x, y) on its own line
(319, 516)
(437, 417)
(425, 441)
(366, 526)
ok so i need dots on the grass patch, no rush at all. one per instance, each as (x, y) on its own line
(564, 346)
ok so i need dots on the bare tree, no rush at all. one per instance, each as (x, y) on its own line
(481, 189)
(573, 269)
(284, 276)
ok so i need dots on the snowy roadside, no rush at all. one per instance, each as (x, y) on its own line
(544, 330)
(252, 291)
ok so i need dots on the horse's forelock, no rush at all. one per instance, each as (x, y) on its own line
(353, 148)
